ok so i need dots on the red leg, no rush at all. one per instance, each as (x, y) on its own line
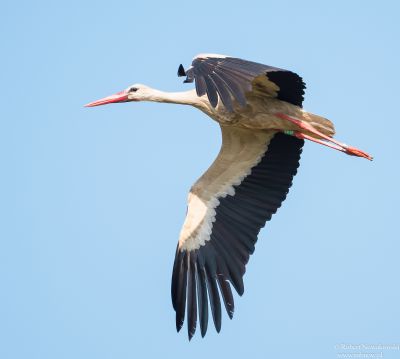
(339, 146)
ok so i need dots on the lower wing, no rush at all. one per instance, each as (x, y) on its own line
(227, 207)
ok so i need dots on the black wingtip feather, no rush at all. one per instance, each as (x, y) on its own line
(181, 71)
(191, 295)
(175, 276)
(227, 296)
(181, 291)
(202, 298)
(215, 303)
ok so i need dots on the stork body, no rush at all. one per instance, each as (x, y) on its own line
(263, 126)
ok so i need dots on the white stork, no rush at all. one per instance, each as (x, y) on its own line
(263, 125)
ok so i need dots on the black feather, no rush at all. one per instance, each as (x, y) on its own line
(202, 299)
(215, 302)
(181, 290)
(181, 71)
(227, 296)
(191, 295)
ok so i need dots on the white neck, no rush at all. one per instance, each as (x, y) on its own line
(183, 98)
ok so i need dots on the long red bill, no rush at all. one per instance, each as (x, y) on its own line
(118, 97)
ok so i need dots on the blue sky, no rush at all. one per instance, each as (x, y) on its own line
(92, 200)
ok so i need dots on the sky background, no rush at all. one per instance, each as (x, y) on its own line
(92, 200)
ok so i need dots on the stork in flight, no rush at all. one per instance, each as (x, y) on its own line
(263, 125)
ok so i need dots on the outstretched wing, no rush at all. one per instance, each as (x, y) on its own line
(227, 207)
(229, 79)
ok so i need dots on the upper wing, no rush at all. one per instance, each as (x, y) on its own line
(227, 207)
(231, 78)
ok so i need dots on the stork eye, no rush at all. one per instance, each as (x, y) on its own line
(133, 89)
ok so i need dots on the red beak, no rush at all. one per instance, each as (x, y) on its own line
(118, 97)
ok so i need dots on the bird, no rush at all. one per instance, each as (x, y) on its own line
(264, 127)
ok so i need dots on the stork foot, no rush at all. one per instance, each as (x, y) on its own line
(352, 151)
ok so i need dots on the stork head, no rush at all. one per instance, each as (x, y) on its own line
(136, 92)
